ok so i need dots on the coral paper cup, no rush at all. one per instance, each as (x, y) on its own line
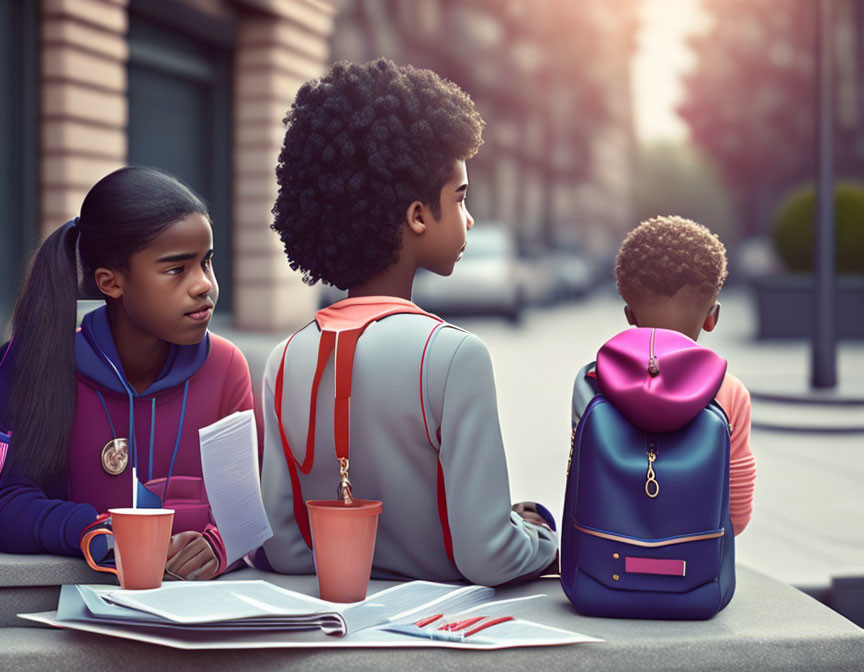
(141, 538)
(343, 542)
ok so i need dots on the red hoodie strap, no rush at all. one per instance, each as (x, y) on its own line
(325, 349)
(339, 333)
(300, 514)
(346, 344)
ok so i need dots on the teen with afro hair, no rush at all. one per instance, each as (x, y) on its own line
(372, 187)
(669, 272)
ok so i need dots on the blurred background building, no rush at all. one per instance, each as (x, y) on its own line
(196, 87)
(600, 113)
(552, 80)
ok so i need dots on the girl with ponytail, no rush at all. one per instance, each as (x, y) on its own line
(88, 416)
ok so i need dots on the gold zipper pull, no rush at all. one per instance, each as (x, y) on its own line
(343, 491)
(652, 487)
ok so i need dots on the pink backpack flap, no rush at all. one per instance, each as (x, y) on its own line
(659, 378)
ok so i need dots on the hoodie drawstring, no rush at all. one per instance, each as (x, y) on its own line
(132, 443)
(152, 434)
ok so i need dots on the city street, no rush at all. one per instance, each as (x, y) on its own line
(807, 521)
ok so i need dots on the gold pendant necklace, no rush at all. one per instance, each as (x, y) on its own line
(115, 456)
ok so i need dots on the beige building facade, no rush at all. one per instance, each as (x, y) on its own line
(196, 87)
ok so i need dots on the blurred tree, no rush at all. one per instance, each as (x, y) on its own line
(749, 101)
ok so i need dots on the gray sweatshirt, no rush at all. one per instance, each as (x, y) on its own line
(395, 454)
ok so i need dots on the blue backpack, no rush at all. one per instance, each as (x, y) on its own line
(646, 531)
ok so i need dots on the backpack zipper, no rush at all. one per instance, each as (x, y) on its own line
(653, 367)
(651, 490)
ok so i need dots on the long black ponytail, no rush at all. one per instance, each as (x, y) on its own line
(120, 216)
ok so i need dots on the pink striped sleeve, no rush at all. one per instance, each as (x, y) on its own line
(4, 448)
(212, 536)
(735, 400)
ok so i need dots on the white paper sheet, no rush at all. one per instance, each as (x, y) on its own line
(372, 638)
(384, 619)
(229, 462)
(253, 603)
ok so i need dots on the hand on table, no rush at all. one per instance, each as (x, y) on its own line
(528, 512)
(190, 557)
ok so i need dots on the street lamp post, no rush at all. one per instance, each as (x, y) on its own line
(823, 361)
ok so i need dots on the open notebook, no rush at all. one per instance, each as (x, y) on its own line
(237, 614)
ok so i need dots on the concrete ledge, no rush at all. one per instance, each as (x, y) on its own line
(30, 583)
(768, 626)
(46, 570)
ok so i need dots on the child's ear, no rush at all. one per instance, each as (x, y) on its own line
(109, 282)
(415, 218)
(631, 316)
(712, 318)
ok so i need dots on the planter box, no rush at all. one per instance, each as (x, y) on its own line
(785, 306)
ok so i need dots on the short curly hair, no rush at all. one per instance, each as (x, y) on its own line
(362, 143)
(665, 254)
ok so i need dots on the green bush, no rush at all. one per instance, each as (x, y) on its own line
(793, 229)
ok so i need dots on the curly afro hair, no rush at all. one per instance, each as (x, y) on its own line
(665, 254)
(362, 143)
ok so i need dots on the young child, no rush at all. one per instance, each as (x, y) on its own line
(373, 185)
(669, 272)
(125, 395)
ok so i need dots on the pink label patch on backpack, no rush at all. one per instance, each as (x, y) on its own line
(663, 566)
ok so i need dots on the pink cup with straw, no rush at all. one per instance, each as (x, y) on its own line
(343, 543)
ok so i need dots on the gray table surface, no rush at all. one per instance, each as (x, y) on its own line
(768, 626)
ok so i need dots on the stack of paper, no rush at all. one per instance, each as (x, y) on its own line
(258, 614)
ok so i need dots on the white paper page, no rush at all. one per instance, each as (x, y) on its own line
(230, 601)
(209, 602)
(229, 462)
(180, 639)
(453, 602)
(512, 633)
(86, 603)
(492, 609)
(391, 602)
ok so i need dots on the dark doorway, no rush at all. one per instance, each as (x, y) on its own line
(180, 117)
(19, 121)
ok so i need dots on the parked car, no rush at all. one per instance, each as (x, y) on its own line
(538, 276)
(487, 279)
(574, 273)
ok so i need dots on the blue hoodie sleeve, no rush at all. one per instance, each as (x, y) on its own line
(30, 522)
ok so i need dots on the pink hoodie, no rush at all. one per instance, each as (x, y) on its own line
(734, 398)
